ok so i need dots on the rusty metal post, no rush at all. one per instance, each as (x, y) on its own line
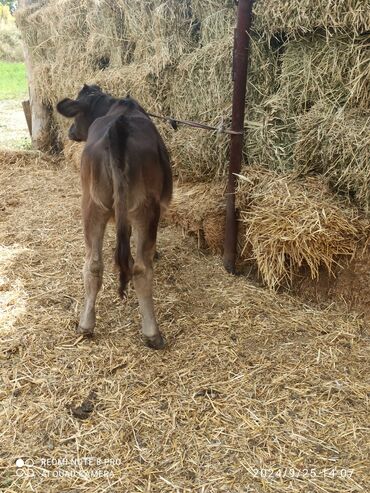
(240, 69)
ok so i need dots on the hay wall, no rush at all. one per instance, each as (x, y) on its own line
(308, 105)
(175, 57)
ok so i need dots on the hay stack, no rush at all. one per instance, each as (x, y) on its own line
(137, 48)
(307, 109)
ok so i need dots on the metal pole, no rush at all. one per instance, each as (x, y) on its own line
(240, 69)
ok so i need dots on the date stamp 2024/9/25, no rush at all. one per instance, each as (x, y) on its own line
(304, 473)
(95, 467)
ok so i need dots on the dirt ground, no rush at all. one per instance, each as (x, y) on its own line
(13, 127)
(256, 391)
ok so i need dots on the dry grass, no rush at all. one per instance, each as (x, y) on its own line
(106, 36)
(270, 136)
(217, 24)
(199, 155)
(71, 43)
(253, 384)
(200, 89)
(159, 31)
(337, 144)
(331, 70)
(295, 18)
(201, 77)
(289, 224)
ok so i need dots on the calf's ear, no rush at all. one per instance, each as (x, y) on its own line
(69, 107)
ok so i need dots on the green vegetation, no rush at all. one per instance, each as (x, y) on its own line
(13, 82)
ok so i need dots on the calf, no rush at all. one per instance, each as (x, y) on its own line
(125, 174)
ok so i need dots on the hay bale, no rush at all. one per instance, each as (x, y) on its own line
(291, 223)
(294, 18)
(201, 90)
(202, 80)
(159, 31)
(202, 9)
(337, 144)
(202, 85)
(69, 43)
(270, 136)
(214, 19)
(198, 155)
(330, 69)
(199, 211)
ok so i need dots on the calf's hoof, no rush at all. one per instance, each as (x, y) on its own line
(155, 342)
(82, 331)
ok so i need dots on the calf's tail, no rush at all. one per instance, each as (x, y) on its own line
(117, 137)
(166, 194)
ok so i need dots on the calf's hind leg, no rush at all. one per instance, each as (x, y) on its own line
(146, 225)
(94, 220)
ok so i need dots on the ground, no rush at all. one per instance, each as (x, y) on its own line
(13, 127)
(255, 392)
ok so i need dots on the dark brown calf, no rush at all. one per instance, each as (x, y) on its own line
(126, 174)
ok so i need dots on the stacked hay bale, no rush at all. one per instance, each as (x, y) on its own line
(307, 110)
(317, 123)
(288, 225)
(123, 46)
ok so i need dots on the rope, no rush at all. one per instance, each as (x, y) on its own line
(173, 122)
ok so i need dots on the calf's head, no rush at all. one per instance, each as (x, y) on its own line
(90, 104)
